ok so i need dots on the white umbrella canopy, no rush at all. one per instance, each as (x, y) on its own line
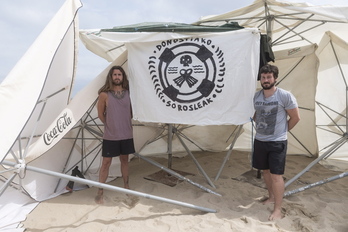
(287, 24)
(31, 96)
(331, 98)
(291, 26)
(292, 64)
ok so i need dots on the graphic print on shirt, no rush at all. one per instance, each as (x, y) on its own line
(266, 117)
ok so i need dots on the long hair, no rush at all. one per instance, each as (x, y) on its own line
(108, 82)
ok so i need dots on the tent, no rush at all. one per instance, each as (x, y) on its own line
(290, 27)
(193, 127)
(78, 144)
(50, 63)
(54, 134)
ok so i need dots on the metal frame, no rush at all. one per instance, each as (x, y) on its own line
(267, 20)
(19, 167)
(332, 148)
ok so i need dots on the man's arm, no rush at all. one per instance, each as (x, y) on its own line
(101, 106)
(294, 117)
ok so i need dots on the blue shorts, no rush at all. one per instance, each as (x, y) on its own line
(116, 148)
(270, 155)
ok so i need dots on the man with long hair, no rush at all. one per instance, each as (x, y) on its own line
(115, 111)
(276, 113)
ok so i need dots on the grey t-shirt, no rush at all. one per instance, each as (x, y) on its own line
(271, 116)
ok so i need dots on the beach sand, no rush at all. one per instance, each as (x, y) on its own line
(322, 208)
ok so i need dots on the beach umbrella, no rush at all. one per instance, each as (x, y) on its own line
(288, 25)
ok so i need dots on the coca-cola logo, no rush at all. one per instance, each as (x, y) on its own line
(62, 123)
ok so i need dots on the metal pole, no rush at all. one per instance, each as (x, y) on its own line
(113, 188)
(170, 142)
(344, 174)
(346, 109)
(227, 157)
(176, 174)
(7, 183)
(195, 161)
(338, 143)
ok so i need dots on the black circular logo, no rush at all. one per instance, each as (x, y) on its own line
(187, 74)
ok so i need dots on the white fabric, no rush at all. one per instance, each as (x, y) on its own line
(189, 81)
(297, 74)
(14, 207)
(31, 96)
(291, 24)
(331, 107)
(39, 86)
(296, 61)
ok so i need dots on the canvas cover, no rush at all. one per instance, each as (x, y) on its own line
(79, 142)
(31, 96)
(291, 26)
(331, 97)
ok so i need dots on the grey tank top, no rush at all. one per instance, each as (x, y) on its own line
(118, 123)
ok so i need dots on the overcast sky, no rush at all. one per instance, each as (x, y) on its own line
(21, 21)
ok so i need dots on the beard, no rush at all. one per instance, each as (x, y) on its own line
(270, 85)
(117, 82)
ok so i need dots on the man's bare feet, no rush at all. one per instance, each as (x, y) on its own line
(99, 199)
(276, 214)
(268, 201)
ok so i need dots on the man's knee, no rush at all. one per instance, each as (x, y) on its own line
(277, 178)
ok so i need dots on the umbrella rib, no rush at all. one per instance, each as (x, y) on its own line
(338, 63)
(292, 30)
(304, 147)
(295, 66)
(333, 121)
(342, 115)
(330, 131)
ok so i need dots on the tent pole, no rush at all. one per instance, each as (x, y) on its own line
(68, 159)
(227, 157)
(346, 109)
(34, 129)
(269, 19)
(170, 171)
(7, 183)
(194, 160)
(170, 141)
(344, 80)
(344, 174)
(340, 142)
(110, 187)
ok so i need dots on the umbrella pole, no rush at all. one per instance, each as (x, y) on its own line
(227, 157)
(195, 160)
(110, 187)
(344, 174)
(171, 172)
(338, 144)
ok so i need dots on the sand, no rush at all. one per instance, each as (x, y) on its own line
(322, 208)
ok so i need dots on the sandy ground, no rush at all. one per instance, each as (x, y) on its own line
(322, 208)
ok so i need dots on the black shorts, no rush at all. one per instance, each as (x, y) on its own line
(117, 148)
(270, 155)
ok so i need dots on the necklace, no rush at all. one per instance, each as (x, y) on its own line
(118, 94)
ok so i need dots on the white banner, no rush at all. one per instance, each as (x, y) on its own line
(207, 79)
